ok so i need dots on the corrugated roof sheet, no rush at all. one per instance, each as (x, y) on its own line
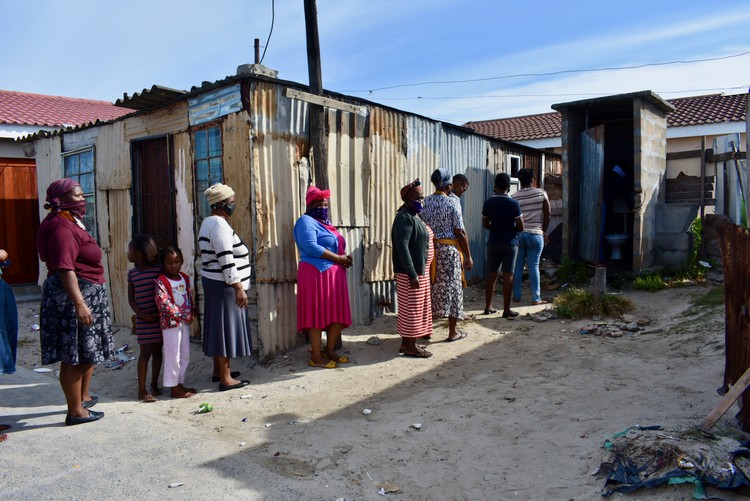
(23, 108)
(696, 110)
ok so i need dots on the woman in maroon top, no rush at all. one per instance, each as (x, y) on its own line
(76, 328)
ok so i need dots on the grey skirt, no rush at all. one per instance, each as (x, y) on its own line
(226, 327)
(62, 338)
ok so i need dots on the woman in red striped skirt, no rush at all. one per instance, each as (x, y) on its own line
(412, 255)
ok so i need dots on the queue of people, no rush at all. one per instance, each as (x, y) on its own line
(431, 254)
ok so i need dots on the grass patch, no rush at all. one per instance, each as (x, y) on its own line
(574, 272)
(578, 303)
(651, 282)
(711, 299)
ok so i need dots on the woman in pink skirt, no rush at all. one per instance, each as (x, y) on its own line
(322, 292)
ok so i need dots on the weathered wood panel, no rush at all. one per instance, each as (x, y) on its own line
(735, 256)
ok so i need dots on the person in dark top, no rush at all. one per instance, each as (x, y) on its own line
(75, 321)
(502, 216)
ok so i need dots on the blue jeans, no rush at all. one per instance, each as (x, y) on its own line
(530, 246)
(8, 329)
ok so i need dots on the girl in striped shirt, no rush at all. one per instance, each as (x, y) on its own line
(143, 252)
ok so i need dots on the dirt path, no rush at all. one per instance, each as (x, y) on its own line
(517, 410)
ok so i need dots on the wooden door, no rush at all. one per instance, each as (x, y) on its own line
(153, 190)
(19, 219)
(589, 211)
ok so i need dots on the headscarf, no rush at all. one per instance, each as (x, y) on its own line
(411, 188)
(314, 193)
(320, 214)
(410, 195)
(57, 190)
(441, 178)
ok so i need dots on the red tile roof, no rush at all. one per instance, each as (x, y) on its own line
(697, 110)
(22, 108)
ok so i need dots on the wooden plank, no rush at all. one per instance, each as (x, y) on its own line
(324, 101)
(725, 157)
(682, 155)
(732, 395)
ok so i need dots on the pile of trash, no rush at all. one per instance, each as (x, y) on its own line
(651, 457)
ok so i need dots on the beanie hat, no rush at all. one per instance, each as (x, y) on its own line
(218, 192)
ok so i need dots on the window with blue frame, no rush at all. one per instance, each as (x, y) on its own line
(208, 165)
(79, 165)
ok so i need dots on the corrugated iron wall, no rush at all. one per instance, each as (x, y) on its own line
(734, 242)
(266, 149)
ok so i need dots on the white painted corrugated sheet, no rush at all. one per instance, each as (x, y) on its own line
(348, 172)
(279, 141)
(388, 172)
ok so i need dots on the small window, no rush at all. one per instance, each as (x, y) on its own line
(514, 165)
(79, 165)
(208, 165)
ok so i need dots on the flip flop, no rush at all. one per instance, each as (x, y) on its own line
(536, 303)
(460, 335)
(419, 354)
(510, 314)
(330, 365)
(340, 359)
(419, 347)
(490, 311)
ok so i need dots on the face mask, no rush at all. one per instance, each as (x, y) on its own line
(319, 213)
(78, 209)
(229, 208)
(417, 207)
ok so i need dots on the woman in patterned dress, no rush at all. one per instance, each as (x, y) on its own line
(75, 323)
(412, 256)
(443, 215)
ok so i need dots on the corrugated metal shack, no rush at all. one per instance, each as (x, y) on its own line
(261, 125)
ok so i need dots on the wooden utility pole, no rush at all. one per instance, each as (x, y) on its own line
(317, 113)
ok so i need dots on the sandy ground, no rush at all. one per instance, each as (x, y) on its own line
(517, 410)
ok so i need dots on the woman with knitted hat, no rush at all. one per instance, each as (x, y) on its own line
(412, 256)
(225, 277)
(75, 323)
(322, 291)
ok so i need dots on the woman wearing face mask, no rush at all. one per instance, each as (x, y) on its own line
(412, 255)
(75, 324)
(322, 291)
(225, 277)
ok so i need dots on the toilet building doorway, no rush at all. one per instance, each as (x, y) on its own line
(614, 161)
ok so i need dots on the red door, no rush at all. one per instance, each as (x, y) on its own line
(19, 219)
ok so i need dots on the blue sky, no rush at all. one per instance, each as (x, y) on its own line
(386, 50)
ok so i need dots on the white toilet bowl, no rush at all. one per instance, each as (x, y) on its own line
(616, 241)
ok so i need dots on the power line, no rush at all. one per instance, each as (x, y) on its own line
(551, 73)
(273, 16)
(509, 96)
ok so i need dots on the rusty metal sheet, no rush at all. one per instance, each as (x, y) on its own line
(734, 242)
